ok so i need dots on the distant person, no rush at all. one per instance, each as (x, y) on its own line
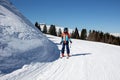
(65, 42)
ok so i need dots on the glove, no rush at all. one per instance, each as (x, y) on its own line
(70, 41)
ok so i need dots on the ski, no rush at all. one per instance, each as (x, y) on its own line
(67, 57)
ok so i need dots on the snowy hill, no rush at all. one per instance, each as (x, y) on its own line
(20, 42)
(26, 54)
(88, 61)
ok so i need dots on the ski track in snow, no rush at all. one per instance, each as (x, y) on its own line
(67, 69)
(88, 61)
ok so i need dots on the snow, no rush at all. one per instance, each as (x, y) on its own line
(88, 61)
(21, 43)
(27, 54)
(116, 34)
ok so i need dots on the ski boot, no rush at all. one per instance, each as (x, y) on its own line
(62, 55)
(68, 55)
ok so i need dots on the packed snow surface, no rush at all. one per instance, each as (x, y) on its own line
(88, 61)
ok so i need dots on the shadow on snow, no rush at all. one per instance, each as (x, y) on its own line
(81, 54)
(39, 54)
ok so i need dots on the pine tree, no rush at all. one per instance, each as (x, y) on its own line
(76, 33)
(59, 32)
(107, 37)
(119, 40)
(101, 36)
(83, 34)
(45, 29)
(52, 30)
(89, 36)
(73, 34)
(116, 40)
(98, 36)
(110, 39)
(94, 35)
(38, 25)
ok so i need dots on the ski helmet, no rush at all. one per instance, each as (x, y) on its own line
(65, 29)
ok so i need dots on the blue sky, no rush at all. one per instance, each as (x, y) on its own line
(102, 15)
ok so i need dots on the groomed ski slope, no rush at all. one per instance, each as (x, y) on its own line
(88, 61)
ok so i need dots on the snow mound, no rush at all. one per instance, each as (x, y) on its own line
(20, 42)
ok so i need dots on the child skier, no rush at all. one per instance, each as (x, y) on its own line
(65, 42)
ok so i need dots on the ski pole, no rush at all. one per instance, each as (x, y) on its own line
(70, 45)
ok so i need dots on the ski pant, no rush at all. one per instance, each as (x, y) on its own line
(67, 47)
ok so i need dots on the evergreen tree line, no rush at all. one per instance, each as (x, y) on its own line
(103, 37)
(51, 30)
(75, 34)
(93, 35)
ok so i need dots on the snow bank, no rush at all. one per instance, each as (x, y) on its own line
(20, 42)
